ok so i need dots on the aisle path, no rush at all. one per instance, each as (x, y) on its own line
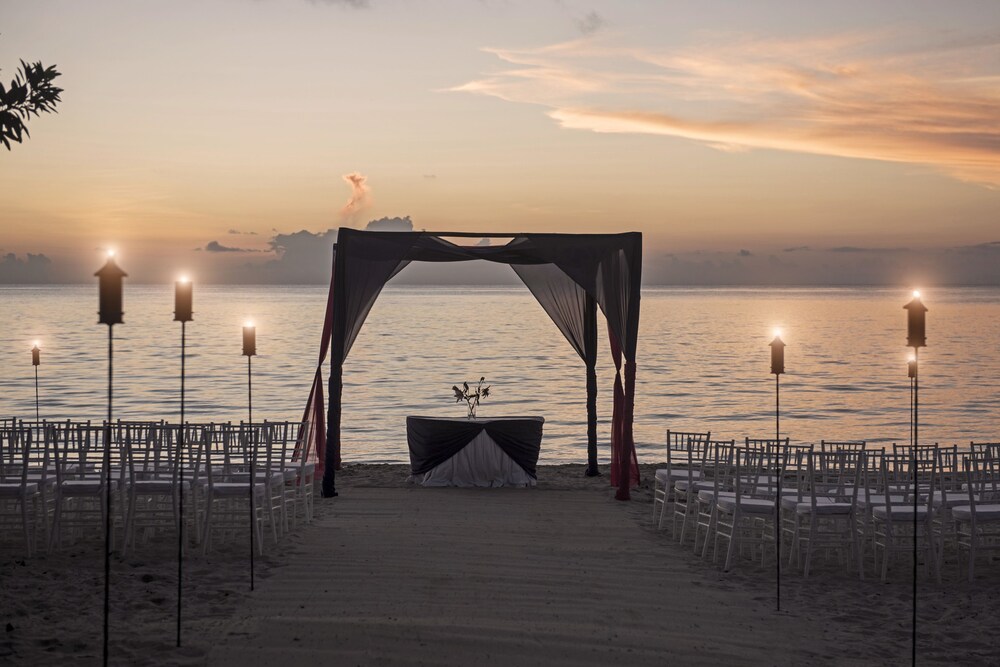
(416, 576)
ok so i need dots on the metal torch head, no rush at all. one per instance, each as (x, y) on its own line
(777, 355)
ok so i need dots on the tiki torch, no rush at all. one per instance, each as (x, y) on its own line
(182, 314)
(911, 373)
(916, 313)
(36, 360)
(110, 278)
(249, 351)
(777, 368)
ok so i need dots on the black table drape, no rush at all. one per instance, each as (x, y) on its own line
(434, 440)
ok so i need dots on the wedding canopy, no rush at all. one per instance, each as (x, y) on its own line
(569, 274)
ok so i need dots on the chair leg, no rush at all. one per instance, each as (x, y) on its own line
(972, 554)
(711, 535)
(813, 529)
(24, 524)
(206, 525)
(885, 554)
(733, 540)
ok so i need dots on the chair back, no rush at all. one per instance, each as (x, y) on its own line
(678, 451)
(835, 475)
(15, 453)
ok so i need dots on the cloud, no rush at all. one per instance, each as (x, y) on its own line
(745, 253)
(360, 198)
(846, 265)
(236, 231)
(797, 248)
(215, 246)
(868, 96)
(849, 248)
(403, 224)
(353, 4)
(590, 23)
(32, 269)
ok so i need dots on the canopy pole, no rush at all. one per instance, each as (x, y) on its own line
(333, 410)
(590, 345)
(627, 448)
(336, 383)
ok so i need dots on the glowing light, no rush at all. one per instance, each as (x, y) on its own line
(111, 253)
(38, 343)
(777, 333)
(248, 324)
(916, 294)
(184, 279)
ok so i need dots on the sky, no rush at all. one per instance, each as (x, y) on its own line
(774, 142)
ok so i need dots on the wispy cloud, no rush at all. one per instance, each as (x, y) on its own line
(590, 23)
(353, 4)
(866, 96)
(360, 198)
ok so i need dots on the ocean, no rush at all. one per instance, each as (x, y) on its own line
(703, 362)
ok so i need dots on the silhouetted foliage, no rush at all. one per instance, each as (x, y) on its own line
(30, 93)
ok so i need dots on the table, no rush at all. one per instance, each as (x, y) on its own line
(482, 452)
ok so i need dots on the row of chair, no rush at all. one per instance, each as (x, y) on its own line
(215, 479)
(769, 497)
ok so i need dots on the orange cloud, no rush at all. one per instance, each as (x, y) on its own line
(859, 96)
(360, 198)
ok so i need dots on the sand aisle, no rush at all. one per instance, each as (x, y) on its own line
(413, 576)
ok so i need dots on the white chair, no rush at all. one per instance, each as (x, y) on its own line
(826, 519)
(978, 523)
(685, 492)
(154, 487)
(664, 479)
(234, 498)
(17, 493)
(82, 477)
(748, 518)
(911, 476)
(301, 483)
(721, 485)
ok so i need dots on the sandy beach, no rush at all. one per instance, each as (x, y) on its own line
(392, 574)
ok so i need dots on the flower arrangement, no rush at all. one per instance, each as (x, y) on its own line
(471, 396)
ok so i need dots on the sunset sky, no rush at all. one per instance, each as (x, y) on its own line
(781, 141)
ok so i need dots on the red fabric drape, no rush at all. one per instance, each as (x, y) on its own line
(623, 455)
(315, 411)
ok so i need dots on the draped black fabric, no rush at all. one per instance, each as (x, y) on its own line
(565, 272)
(562, 299)
(433, 441)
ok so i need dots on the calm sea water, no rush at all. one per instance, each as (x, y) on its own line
(703, 362)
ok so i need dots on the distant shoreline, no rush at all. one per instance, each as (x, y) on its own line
(516, 285)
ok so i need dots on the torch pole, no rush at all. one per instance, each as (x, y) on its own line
(252, 452)
(180, 490)
(107, 497)
(916, 489)
(38, 419)
(911, 413)
(777, 501)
